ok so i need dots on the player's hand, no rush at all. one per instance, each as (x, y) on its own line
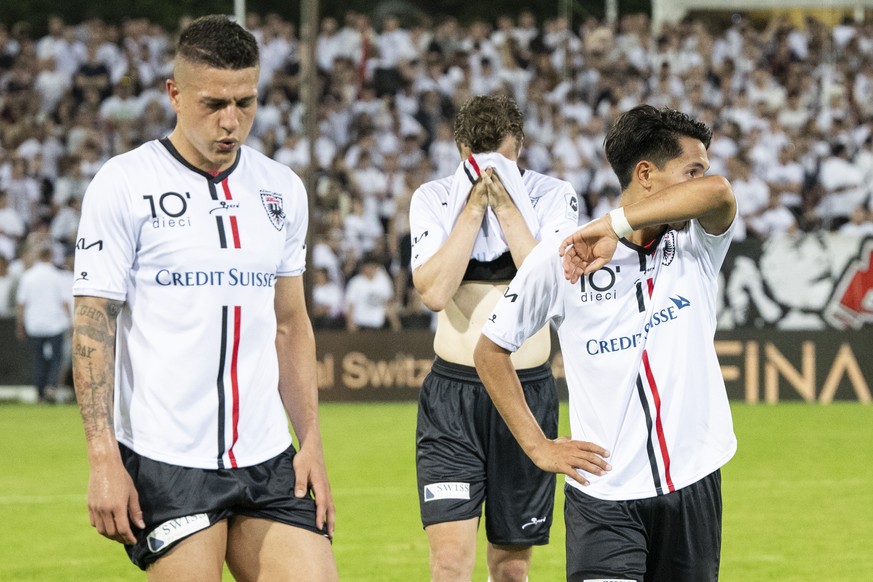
(113, 503)
(311, 474)
(588, 249)
(478, 198)
(564, 455)
(498, 197)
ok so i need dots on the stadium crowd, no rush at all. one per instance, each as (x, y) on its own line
(790, 105)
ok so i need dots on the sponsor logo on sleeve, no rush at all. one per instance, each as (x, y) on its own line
(450, 490)
(511, 296)
(87, 245)
(572, 207)
(174, 530)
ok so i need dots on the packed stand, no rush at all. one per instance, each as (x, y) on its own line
(790, 106)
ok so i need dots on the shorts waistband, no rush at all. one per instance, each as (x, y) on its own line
(454, 371)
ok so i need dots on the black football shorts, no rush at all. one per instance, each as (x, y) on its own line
(177, 502)
(466, 456)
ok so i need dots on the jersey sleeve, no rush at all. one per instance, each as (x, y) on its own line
(559, 209)
(426, 228)
(530, 301)
(296, 222)
(107, 240)
(712, 248)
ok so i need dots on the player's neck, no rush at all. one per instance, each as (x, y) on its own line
(644, 236)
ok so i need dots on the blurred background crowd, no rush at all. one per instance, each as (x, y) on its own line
(791, 105)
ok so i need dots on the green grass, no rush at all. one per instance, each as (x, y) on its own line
(798, 497)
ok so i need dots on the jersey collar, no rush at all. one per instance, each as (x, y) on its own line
(649, 249)
(214, 178)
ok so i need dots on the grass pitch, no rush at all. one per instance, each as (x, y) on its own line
(798, 497)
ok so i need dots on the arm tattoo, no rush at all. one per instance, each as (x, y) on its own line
(94, 362)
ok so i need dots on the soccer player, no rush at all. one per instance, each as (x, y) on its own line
(633, 300)
(192, 341)
(465, 455)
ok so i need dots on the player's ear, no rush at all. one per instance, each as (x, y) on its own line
(643, 173)
(173, 93)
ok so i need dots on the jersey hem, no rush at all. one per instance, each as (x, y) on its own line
(501, 342)
(199, 463)
(88, 292)
(619, 496)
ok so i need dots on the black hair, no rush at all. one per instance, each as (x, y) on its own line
(218, 42)
(647, 133)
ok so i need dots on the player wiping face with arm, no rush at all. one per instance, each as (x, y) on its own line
(632, 297)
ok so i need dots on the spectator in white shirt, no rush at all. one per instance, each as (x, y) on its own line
(370, 298)
(123, 106)
(65, 223)
(786, 176)
(843, 183)
(7, 284)
(51, 84)
(12, 228)
(751, 192)
(23, 191)
(328, 302)
(774, 220)
(860, 223)
(44, 315)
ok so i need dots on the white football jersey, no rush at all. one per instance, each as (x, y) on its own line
(430, 222)
(637, 343)
(195, 258)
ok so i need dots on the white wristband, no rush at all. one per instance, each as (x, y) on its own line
(620, 225)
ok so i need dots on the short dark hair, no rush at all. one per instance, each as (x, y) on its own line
(218, 42)
(647, 133)
(484, 121)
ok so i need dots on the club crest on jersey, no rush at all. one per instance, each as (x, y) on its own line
(273, 205)
(669, 247)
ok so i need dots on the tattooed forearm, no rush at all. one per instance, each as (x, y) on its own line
(89, 312)
(94, 395)
(94, 331)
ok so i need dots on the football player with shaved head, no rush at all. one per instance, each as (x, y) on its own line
(192, 345)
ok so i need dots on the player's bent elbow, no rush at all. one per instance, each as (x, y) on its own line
(433, 296)
(434, 301)
(721, 191)
(723, 206)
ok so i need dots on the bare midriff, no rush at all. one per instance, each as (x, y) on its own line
(459, 326)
